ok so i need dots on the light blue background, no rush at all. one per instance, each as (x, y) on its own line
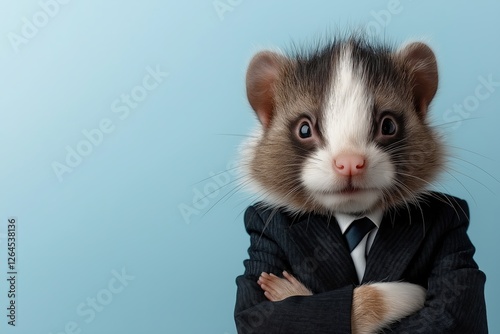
(120, 207)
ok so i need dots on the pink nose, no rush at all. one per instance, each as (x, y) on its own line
(349, 164)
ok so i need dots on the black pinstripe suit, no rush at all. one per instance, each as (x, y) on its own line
(426, 245)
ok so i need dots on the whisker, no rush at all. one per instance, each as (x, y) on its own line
(215, 174)
(463, 186)
(457, 121)
(469, 177)
(470, 151)
(235, 135)
(478, 167)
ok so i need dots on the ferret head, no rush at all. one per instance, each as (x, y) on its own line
(342, 128)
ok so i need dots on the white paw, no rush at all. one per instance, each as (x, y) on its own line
(400, 299)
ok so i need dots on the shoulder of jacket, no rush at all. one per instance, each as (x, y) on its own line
(448, 207)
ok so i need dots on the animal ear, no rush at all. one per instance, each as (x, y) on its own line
(262, 75)
(421, 62)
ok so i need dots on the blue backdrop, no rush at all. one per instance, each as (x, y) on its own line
(120, 122)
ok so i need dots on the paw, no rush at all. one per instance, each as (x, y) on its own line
(401, 299)
(377, 305)
(276, 288)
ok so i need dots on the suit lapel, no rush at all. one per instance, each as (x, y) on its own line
(326, 262)
(397, 240)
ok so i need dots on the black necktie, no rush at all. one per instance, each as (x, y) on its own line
(357, 231)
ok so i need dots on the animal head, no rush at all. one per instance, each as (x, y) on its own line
(343, 128)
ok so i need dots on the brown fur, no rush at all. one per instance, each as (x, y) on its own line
(281, 89)
(368, 309)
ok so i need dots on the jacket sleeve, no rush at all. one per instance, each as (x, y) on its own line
(455, 297)
(322, 313)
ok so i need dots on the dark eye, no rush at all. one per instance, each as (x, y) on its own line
(388, 127)
(305, 130)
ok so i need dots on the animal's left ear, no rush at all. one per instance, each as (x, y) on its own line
(419, 59)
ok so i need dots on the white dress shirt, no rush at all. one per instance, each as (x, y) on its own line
(359, 253)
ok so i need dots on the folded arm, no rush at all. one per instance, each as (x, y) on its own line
(322, 313)
(455, 297)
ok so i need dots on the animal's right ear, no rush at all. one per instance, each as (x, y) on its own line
(262, 75)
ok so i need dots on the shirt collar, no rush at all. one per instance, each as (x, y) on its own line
(345, 220)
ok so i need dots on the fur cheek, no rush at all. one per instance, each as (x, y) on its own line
(317, 174)
(247, 179)
(246, 152)
(380, 169)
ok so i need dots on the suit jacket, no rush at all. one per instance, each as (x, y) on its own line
(425, 244)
